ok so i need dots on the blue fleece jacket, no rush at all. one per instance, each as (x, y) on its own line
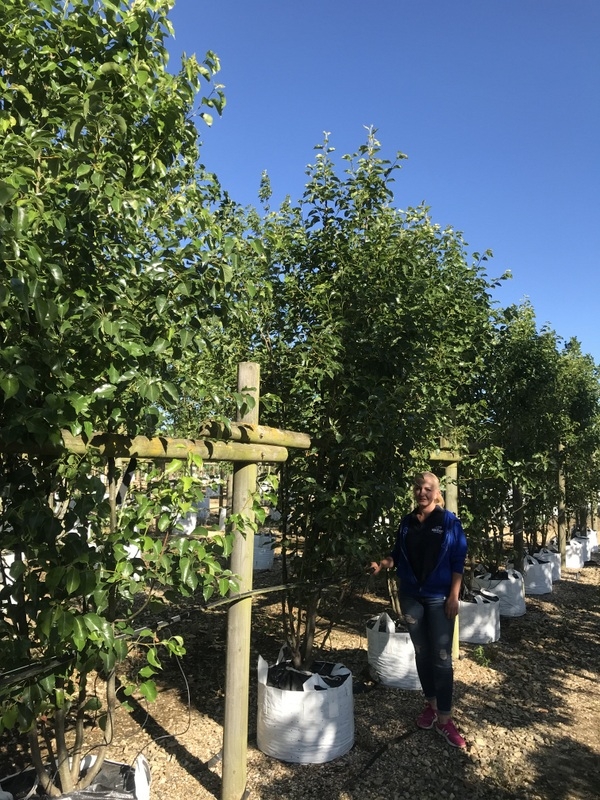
(451, 559)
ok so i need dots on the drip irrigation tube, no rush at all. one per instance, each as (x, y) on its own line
(19, 675)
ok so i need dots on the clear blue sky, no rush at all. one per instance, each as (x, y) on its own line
(495, 102)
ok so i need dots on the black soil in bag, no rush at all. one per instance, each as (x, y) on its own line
(284, 676)
(113, 782)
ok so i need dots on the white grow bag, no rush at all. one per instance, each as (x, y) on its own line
(593, 539)
(391, 654)
(586, 547)
(574, 555)
(479, 621)
(115, 781)
(538, 576)
(308, 726)
(263, 551)
(553, 558)
(509, 588)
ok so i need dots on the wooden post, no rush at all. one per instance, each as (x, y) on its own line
(451, 470)
(237, 678)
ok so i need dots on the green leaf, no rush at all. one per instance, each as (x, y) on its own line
(160, 346)
(153, 658)
(72, 580)
(7, 192)
(78, 402)
(227, 272)
(94, 622)
(80, 633)
(105, 390)
(9, 384)
(109, 67)
(34, 255)
(148, 690)
(173, 466)
(163, 522)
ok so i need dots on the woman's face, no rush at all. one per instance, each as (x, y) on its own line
(425, 494)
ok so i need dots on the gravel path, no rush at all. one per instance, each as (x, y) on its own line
(528, 706)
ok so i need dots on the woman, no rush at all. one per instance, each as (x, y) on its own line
(429, 556)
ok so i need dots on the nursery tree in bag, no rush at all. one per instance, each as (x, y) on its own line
(376, 343)
(113, 276)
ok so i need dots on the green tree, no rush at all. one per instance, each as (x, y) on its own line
(524, 420)
(542, 407)
(529, 413)
(379, 330)
(580, 396)
(113, 280)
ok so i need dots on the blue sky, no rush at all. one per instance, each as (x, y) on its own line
(496, 103)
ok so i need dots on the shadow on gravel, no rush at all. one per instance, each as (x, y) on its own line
(161, 736)
(523, 743)
(516, 712)
(542, 699)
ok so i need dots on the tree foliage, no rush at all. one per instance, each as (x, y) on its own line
(542, 416)
(379, 331)
(113, 276)
(105, 223)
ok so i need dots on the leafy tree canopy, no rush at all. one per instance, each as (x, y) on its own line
(114, 267)
(375, 342)
(110, 256)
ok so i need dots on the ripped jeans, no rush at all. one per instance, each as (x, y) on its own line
(431, 634)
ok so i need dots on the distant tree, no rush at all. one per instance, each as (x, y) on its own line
(580, 396)
(524, 419)
(542, 402)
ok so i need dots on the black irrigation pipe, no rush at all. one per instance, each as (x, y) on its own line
(19, 675)
(377, 755)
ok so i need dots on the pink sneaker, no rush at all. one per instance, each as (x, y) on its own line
(450, 734)
(426, 718)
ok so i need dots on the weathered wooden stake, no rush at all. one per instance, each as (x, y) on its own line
(451, 470)
(451, 499)
(237, 678)
(518, 527)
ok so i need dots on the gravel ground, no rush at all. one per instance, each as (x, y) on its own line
(528, 706)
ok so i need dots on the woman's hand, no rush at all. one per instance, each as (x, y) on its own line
(451, 604)
(385, 563)
(451, 607)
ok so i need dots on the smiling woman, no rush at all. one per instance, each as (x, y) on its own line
(429, 557)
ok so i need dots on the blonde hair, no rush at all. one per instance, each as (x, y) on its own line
(420, 479)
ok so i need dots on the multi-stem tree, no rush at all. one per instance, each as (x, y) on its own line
(378, 333)
(113, 272)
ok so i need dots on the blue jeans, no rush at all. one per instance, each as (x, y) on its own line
(431, 633)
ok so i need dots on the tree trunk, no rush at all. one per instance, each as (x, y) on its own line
(517, 527)
(562, 520)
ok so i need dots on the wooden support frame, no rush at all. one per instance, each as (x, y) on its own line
(245, 443)
(164, 448)
(239, 615)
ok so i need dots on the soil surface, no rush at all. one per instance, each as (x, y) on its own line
(528, 706)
